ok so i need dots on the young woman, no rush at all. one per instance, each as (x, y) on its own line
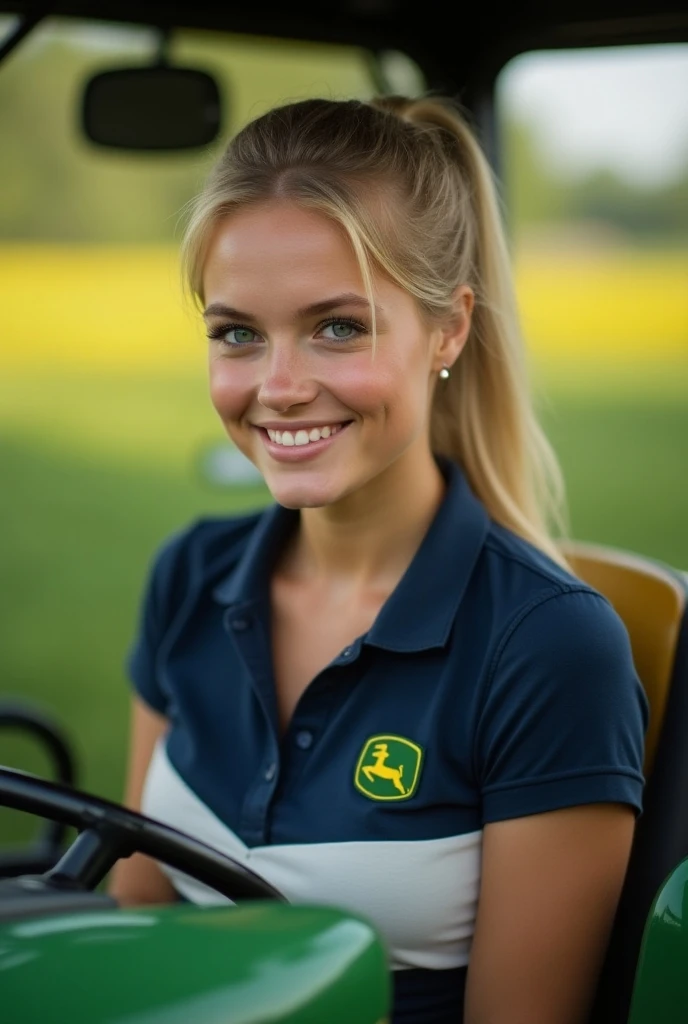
(386, 692)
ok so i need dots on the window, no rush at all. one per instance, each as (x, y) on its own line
(595, 169)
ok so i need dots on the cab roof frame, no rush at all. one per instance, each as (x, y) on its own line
(485, 38)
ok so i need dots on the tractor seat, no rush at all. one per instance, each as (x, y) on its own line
(652, 600)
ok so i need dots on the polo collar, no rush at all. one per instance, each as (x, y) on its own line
(420, 612)
(249, 579)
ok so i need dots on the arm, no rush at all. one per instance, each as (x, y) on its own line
(138, 879)
(549, 890)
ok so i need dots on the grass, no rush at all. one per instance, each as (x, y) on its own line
(83, 517)
(624, 459)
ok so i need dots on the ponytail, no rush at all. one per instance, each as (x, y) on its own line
(483, 415)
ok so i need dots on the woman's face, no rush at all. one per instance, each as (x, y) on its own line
(293, 375)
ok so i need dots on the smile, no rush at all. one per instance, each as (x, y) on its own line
(290, 438)
(306, 442)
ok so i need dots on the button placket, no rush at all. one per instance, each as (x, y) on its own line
(243, 625)
(255, 815)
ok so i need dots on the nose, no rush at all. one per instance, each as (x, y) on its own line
(287, 381)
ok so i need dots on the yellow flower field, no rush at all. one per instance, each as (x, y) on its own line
(121, 309)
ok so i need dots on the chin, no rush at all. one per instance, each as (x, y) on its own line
(304, 493)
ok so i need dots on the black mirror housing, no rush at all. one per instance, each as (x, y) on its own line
(152, 108)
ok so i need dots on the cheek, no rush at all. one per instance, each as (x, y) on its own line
(230, 387)
(390, 382)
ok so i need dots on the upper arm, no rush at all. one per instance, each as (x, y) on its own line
(146, 728)
(559, 753)
(549, 889)
(138, 879)
(563, 715)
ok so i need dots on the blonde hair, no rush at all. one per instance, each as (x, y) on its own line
(411, 188)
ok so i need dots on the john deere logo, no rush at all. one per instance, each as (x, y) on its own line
(388, 768)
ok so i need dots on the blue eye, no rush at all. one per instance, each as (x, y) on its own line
(342, 330)
(233, 335)
(242, 336)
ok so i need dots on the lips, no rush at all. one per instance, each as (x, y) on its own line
(300, 442)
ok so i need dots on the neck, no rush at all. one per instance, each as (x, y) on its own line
(370, 537)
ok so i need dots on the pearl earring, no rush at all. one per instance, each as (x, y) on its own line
(444, 373)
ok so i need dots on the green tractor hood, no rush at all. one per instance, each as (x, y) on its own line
(250, 964)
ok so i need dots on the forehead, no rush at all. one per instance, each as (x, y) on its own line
(278, 248)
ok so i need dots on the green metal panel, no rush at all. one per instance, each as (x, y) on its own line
(660, 994)
(248, 964)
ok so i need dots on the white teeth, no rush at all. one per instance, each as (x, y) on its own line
(302, 437)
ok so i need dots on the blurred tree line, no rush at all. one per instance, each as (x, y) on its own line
(538, 195)
(56, 186)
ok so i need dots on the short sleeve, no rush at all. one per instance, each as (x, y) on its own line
(157, 607)
(564, 715)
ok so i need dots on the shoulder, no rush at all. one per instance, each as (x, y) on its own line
(561, 714)
(520, 582)
(562, 661)
(540, 579)
(549, 613)
(553, 633)
(516, 558)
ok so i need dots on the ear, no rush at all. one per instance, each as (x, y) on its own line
(453, 334)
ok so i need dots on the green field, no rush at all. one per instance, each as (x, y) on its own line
(97, 470)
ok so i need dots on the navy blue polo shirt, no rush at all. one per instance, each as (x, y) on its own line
(492, 685)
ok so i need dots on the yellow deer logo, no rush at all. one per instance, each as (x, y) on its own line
(380, 754)
(377, 779)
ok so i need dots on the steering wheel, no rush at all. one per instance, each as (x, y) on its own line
(35, 723)
(108, 832)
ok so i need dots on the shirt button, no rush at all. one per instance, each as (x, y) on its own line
(270, 772)
(347, 652)
(239, 625)
(304, 739)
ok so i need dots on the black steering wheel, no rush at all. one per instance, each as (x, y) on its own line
(108, 832)
(35, 723)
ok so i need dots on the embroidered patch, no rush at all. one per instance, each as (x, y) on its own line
(388, 768)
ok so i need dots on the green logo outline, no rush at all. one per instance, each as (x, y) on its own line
(394, 775)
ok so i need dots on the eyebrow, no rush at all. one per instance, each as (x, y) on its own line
(316, 309)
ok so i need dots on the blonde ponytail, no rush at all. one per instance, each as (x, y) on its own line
(332, 156)
(504, 452)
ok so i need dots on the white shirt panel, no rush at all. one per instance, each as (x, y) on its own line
(420, 895)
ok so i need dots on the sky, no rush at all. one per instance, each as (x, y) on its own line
(624, 108)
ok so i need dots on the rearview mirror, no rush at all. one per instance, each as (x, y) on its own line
(152, 108)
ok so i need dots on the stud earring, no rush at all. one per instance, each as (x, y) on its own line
(444, 373)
